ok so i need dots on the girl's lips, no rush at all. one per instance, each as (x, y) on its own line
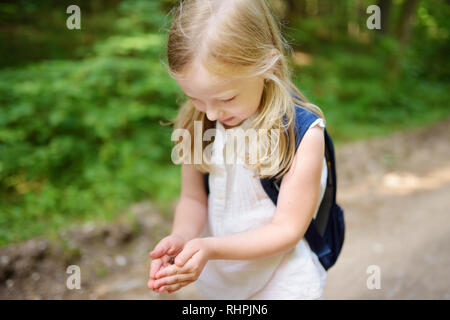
(227, 120)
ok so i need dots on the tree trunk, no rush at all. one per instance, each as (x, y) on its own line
(296, 8)
(405, 21)
(385, 9)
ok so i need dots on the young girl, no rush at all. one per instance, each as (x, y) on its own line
(229, 58)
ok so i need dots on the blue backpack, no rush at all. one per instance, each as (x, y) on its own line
(325, 234)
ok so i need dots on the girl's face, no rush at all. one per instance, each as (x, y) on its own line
(229, 101)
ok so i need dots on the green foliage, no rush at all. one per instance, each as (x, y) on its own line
(367, 83)
(83, 139)
(430, 46)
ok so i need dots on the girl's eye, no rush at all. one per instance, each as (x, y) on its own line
(229, 100)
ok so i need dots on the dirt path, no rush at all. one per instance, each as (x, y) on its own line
(396, 195)
(397, 215)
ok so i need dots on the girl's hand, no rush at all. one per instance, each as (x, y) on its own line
(162, 254)
(187, 268)
(156, 265)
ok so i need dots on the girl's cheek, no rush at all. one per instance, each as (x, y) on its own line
(199, 106)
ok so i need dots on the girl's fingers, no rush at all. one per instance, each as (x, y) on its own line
(165, 259)
(155, 267)
(170, 280)
(170, 270)
(158, 264)
(172, 250)
(159, 250)
(165, 263)
(173, 287)
(185, 255)
(168, 245)
(173, 269)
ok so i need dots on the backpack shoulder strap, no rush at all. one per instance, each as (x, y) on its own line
(302, 121)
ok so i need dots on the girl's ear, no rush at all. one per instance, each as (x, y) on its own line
(266, 77)
(271, 54)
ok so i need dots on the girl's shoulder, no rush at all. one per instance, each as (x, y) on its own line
(304, 119)
(304, 115)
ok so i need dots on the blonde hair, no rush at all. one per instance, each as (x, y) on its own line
(237, 38)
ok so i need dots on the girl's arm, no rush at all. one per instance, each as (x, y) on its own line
(191, 210)
(297, 200)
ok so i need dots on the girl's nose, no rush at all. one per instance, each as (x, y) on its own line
(212, 113)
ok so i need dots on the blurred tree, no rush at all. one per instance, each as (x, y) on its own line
(406, 19)
(385, 8)
(296, 8)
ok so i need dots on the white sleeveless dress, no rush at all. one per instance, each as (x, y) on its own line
(237, 202)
